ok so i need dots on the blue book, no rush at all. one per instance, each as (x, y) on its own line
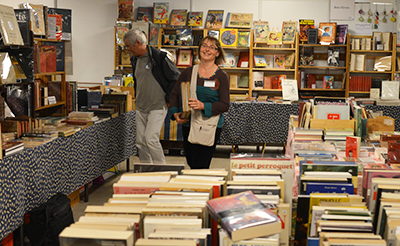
(329, 188)
(313, 241)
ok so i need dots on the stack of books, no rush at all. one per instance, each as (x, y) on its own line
(306, 134)
(337, 134)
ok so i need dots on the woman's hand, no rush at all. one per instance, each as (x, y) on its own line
(196, 104)
(179, 120)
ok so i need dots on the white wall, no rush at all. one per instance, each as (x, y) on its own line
(93, 24)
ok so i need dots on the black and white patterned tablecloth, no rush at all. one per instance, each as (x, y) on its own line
(257, 122)
(30, 178)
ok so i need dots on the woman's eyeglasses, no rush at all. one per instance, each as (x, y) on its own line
(204, 46)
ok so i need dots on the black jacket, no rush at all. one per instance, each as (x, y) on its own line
(162, 68)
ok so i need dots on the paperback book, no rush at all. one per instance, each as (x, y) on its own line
(214, 19)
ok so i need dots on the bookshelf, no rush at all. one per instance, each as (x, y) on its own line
(43, 78)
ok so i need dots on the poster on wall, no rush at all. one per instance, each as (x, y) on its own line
(342, 10)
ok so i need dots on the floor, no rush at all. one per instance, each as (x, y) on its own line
(100, 193)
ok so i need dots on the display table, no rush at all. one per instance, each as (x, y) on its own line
(257, 122)
(29, 178)
(391, 111)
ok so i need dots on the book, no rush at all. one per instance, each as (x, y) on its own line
(178, 17)
(274, 38)
(8, 75)
(289, 32)
(239, 20)
(37, 17)
(9, 28)
(214, 19)
(353, 144)
(125, 9)
(306, 56)
(47, 59)
(145, 14)
(269, 60)
(258, 80)
(165, 242)
(66, 21)
(327, 32)
(243, 39)
(160, 13)
(279, 61)
(289, 60)
(261, 30)
(231, 60)
(82, 236)
(55, 31)
(243, 59)
(289, 90)
(243, 216)
(341, 34)
(228, 37)
(328, 82)
(195, 19)
(122, 28)
(304, 26)
(259, 61)
(23, 18)
(60, 55)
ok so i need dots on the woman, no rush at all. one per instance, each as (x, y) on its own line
(212, 92)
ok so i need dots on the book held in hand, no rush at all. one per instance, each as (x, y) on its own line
(243, 216)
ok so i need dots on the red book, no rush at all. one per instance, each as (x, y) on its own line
(275, 82)
(47, 59)
(353, 146)
(267, 82)
(311, 80)
(243, 58)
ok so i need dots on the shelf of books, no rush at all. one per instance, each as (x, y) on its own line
(372, 59)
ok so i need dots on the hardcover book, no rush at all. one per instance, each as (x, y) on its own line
(327, 32)
(259, 61)
(57, 29)
(274, 38)
(239, 20)
(215, 19)
(122, 28)
(178, 17)
(66, 21)
(261, 30)
(289, 32)
(37, 17)
(243, 39)
(47, 59)
(9, 27)
(243, 216)
(231, 60)
(145, 14)
(328, 82)
(60, 57)
(160, 14)
(258, 80)
(195, 19)
(304, 26)
(279, 61)
(228, 37)
(125, 9)
(269, 60)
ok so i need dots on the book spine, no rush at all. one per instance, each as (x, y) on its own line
(135, 190)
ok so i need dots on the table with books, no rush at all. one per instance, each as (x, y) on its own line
(29, 178)
(257, 122)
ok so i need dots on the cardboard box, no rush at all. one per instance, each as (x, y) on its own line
(380, 123)
(336, 124)
(74, 197)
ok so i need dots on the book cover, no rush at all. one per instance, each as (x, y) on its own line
(269, 60)
(178, 17)
(243, 39)
(243, 216)
(328, 82)
(214, 19)
(316, 187)
(243, 59)
(66, 21)
(195, 19)
(47, 59)
(145, 14)
(259, 61)
(261, 30)
(289, 32)
(9, 27)
(306, 56)
(341, 33)
(304, 26)
(58, 25)
(60, 57)
(274, 37)
(239, 20)
(160, 14)
(327, 32)
(24, 18)
(258, 80)
(228, 37)
(231, 60)
(289, 60)
(37, 17)
(353, 146)
(122, 28)
(279, 61)
(125, 9)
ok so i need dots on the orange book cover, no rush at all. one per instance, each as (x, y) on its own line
(353, 146)
(48, 59)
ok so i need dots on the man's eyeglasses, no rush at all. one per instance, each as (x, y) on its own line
(204, 46)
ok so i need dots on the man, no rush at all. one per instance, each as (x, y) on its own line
(155, 76)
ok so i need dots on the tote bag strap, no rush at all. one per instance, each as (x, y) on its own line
(193, 82)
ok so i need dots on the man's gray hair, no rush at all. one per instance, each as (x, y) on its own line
(134, 35)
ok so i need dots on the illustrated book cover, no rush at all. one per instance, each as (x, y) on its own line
(327, 32)
(125, 9)
(161, 13)
(259, 61)
(274, 38)
(228, 37)
(145, 14)
(24, 22)
(279, 61)
(304, 26)
(195, 19)
(178, 17)
(243, 216)
(66, 21)
(261, 30)
(243, 39)
(37, 17)
(328, 82)
(214, 19)
(289, 32)
(239, 20)
(341, 33)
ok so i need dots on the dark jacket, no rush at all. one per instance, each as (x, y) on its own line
(162, 68)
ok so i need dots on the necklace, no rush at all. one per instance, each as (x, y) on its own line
(212, 75)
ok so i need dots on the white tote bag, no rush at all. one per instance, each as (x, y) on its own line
(202, 129)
